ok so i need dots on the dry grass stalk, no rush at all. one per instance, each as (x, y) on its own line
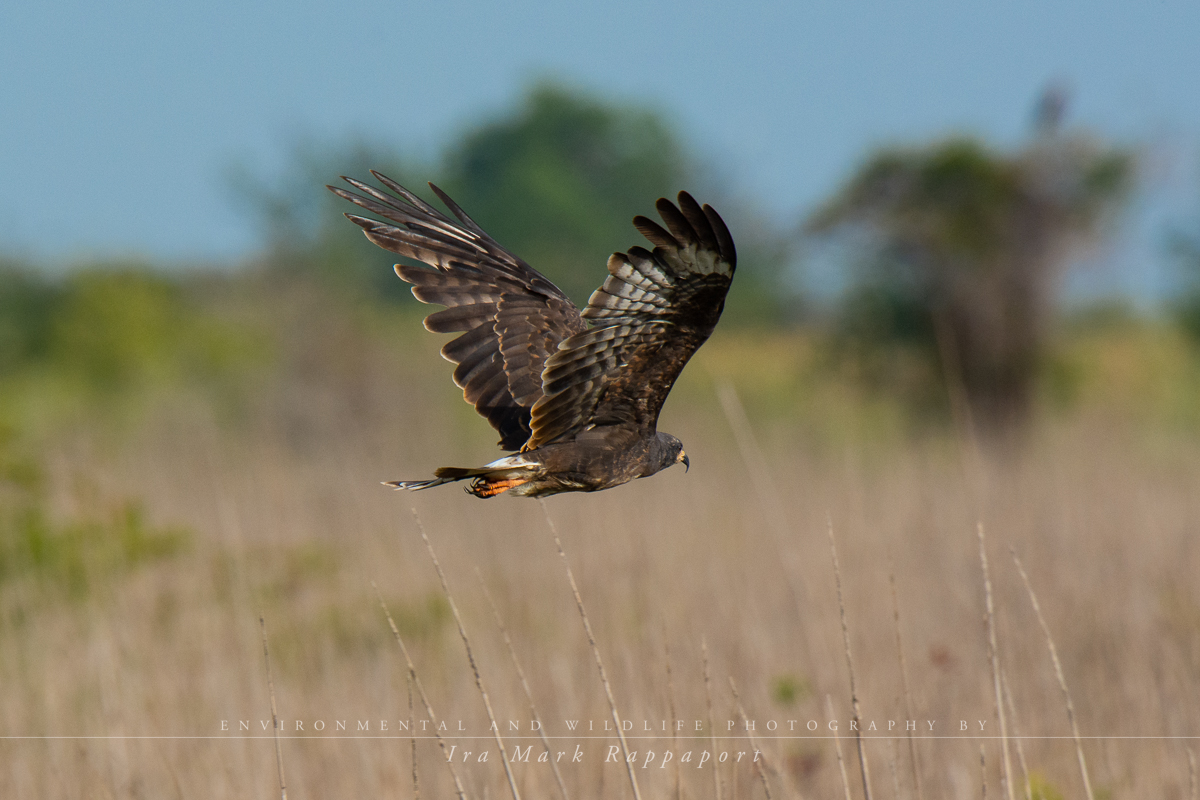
(908, 703)
(712, 730)
(262, 624)
(983, 772)
(837, 748)
(587, 628)
(671, 703)
(462, 632)
(994, 656)
(733, 780)
(512, 652)
(412, 740)
(895, 773)
(754, 743)
(1012, 711)
(1192, 775)
(862, 753)
(412, 673)
(1062, 681)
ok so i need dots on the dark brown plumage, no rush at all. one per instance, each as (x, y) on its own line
(580, 403)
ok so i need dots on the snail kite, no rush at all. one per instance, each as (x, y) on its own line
(577, 393)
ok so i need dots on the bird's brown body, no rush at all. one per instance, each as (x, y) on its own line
(592, 461)
(580, 403)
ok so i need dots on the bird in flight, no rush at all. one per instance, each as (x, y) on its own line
(575, 393)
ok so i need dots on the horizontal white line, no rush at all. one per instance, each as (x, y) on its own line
(705, 741)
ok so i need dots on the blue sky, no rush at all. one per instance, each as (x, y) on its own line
(120, 121)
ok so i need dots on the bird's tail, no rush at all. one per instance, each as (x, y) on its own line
(486, 481)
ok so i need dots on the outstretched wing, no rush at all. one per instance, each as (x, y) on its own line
(652, 313)
(512, 317)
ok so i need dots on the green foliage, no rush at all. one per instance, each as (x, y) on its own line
(117, 328)
(90, 344)
(421, 619)
(19, 474)
(1185, 248)
(307, 234)
(957, 192)
(959, 252)
(1186, 311)
(787, 690)
(75, 557)
(78, 556)
(25, 318)
(557, 180)
(94, 338)
(1142, 369)
(886, 335)
(1041, 789)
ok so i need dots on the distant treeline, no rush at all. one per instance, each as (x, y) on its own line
(954, 250)
(556, 180)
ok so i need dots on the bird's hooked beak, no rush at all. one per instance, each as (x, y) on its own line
(683, 459)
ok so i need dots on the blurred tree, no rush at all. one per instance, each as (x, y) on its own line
(1184, 245)
(961, 250)
(95, 335)
(303, 225)
(25, 305)
(557, 180)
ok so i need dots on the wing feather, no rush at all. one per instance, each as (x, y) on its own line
(511, 318)
(654, 232)
(459, 318)
(699, 223)
(677, 223)
(651, 314)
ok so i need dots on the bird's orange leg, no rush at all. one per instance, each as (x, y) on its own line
(485, 488)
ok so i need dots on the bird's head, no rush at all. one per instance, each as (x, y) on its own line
(671, 452)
